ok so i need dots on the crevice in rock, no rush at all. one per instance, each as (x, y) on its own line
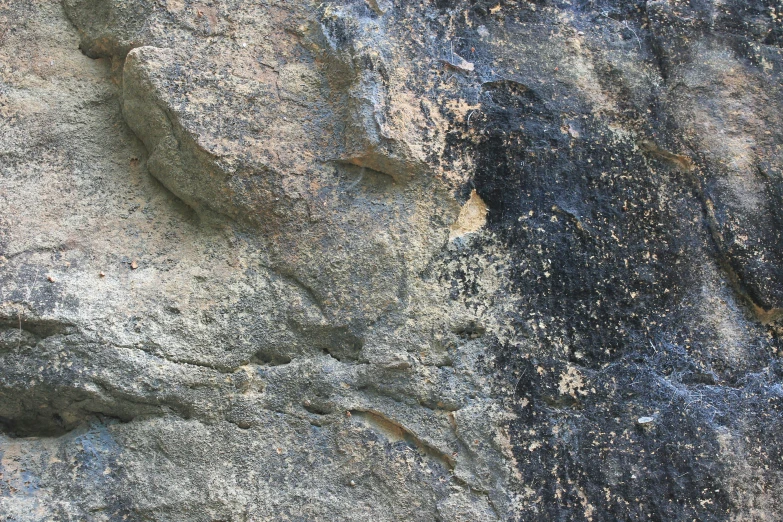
(293, 280)
(678, 161)
(366, 176)
(92, 47)
(394, 431)
(157, 352)
(40, 329)
(318, 407)
(268, 358)
(48, 423)
(438, 410)
(42, 426)
(656, 47)
(36, 250)
(338, 342)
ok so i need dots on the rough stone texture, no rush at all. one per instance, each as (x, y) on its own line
(388, 260)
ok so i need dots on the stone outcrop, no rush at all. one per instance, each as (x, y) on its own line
(391, 260)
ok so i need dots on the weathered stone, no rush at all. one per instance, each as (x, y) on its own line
(391, 261)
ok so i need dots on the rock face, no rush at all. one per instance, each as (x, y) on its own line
(387, 260)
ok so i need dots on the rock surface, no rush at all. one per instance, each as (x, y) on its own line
(385, 260)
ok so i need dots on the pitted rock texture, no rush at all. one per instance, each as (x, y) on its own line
(389, 260)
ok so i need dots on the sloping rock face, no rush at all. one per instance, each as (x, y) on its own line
(388, 260)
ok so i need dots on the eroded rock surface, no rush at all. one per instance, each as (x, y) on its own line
(391, 260)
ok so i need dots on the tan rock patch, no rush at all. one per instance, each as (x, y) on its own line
(472, 217)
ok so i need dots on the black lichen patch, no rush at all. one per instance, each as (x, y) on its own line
(627, 405)
(597, 236)
(649, 437)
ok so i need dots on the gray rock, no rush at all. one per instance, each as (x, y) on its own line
(390, 261)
